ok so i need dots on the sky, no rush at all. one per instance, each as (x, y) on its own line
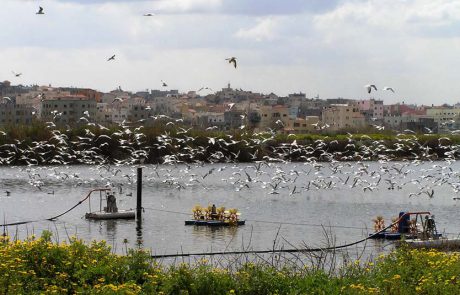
(317, 47)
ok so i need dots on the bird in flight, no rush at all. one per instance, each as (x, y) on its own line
(163, 83)
(149, 14)
(117, 99)
(40, 10)
(369, 88)
(389, 88)
(111, 58)
(203, 88)
(16, 74)
(232, 60)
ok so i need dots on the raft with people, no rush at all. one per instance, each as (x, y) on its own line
(215, 216)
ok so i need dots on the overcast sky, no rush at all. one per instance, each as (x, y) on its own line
(330, 48)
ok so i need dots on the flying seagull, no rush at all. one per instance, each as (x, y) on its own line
(16, 74)
(40, 10)
(232, 60)
(163, 83)
(111, 58)
(369, 88)
(389, 88)
(203, 88)
(149, 14)
(117, 99)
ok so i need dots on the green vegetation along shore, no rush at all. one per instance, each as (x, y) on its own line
(37, 144)
(44, 266)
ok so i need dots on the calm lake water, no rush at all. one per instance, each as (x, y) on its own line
(288, 202)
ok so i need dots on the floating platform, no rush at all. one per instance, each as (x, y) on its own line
(214, 222)
(121, 214)
(440, 244)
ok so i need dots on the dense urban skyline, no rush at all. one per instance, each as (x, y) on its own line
(330, 48)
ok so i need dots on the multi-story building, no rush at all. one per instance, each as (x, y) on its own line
(211, 119)
(103, 114)
(269, 115)
(90, 93)
(139, 113)
(13, 114)
(443, 115)
(311, 107)
(233, 119)
(301, 125)
(343, 116)
(69, 109)
(34, 97)
(372, 109)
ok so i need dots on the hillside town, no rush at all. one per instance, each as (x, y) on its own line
(225, 109)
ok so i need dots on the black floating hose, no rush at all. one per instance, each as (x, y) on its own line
(57, 216)
(284, 250)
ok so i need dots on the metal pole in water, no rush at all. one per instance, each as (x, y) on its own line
(139, 194)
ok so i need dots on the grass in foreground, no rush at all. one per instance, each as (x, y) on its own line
(40, 266)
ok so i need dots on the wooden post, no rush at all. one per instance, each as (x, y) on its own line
(139, 194)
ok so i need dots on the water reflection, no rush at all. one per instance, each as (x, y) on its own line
(139, 238)
(111, 227)
(214, 237)
(214, 232)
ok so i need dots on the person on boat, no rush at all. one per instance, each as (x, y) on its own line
(213, 212)
(111, 204)
(430, 225)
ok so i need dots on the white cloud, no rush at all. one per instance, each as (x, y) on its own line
(393, 15)
(263, 30)
(187, 5)
(411, 45)
(406, 44)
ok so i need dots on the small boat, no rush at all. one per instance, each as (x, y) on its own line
(408, 226)
(110, 211)
(121, 214)
(213, 216)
